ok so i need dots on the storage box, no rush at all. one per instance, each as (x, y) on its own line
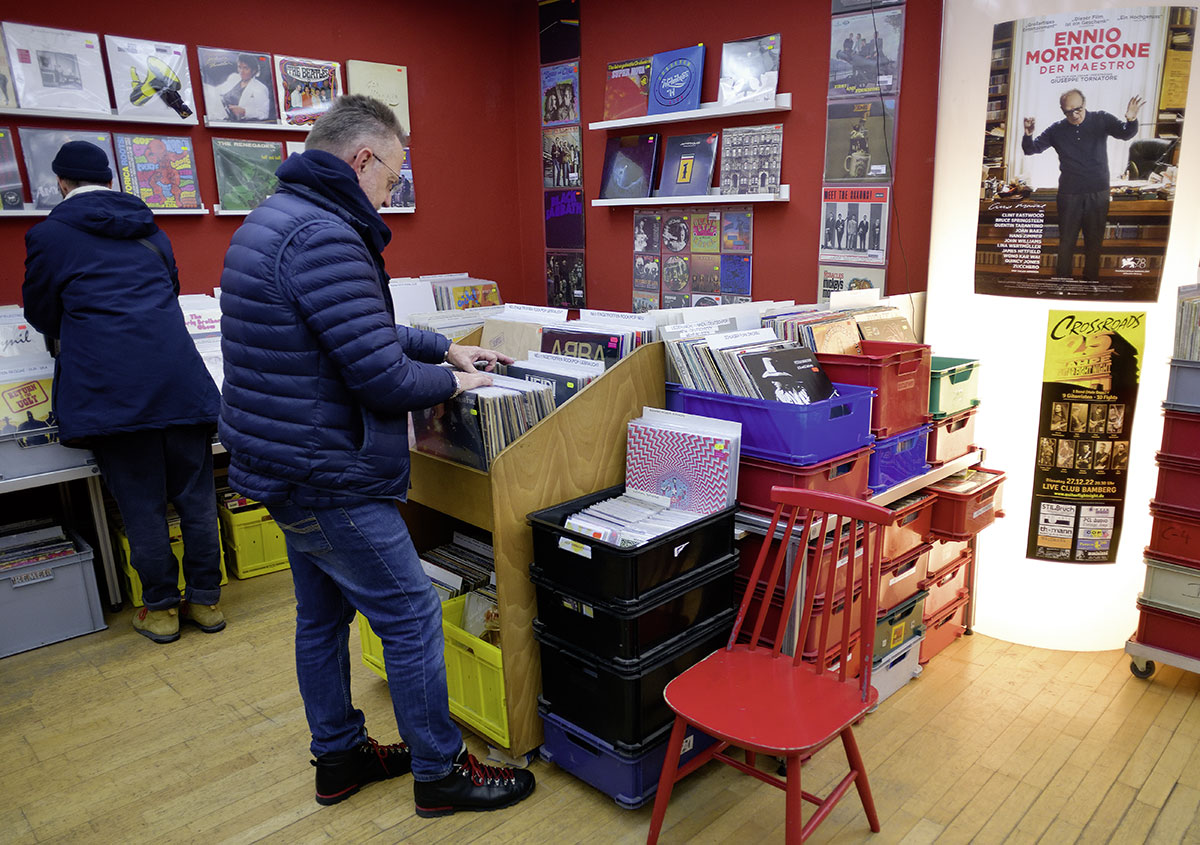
(253, 542)
(813, 634)
(35, 454)
(749, 546)
(914, 515)
(1183, 384)
(791, 434)
(900, 374)
(901, 578)
(1178, 481)
(898, 458)
(944, 584)
(1161, 627)
(944, 626)
(898, 625)
(1175, 533)
(474, 672)
(953, 385)
(951, 437)
(943, 552)
(600, 570)
(1181, 434)
(771, 622)
(891, 673)
(845, 474)
(628, 628)
(1173, 587)
(133, 582)
(960, 516)
(833, 657)
(629, 778)
(621, 701)
(49, 601)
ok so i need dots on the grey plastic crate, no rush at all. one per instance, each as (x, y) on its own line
(1183, 385)
(49, 601)
(36, 452)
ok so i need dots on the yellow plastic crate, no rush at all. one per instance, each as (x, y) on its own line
(133, 583)
(474, 673)
(252, 541)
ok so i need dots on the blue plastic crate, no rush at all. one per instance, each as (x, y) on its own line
(788, 434)
(897, 459)
(629, 779)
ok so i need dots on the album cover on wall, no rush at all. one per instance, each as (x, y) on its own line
(675, 78)
(735, 274)
(737, 230)
(676, 232)
(750, 159)
(865, 52)
(629, 166)
(647, 272)
(150, 78)
(386, 83)
(565, 284)
(860, 140)
(238, 85)
(159, 169)
(12, 192)
(8, 96)
(839, 277)
(405, 194)
(627, 88)
(56, 68)
(855, 224)
(647, 232)
(706, 231)
(560, 94)
(307, 88)
(688, 165)
(558, 30)
(245, 171)
(564, 219)
(40, 146)
(749, 69)
(562, 157)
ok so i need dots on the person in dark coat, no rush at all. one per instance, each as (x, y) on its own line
(319, 381)
(100, 277)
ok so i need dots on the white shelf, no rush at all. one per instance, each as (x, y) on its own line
(227, 212)
(782, 102)
(68, 114)
(932, 477)
(201, 210)
(29, 211)
(269, 127)
(411, 210)
(58, 476)
(784, 195)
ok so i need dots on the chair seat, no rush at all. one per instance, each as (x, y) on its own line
(764, 703)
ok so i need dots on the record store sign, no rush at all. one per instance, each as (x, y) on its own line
(1089, 391)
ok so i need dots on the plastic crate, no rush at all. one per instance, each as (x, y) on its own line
(914, 515)
(944, 584)
(629, 628)
(790, 434)
(133, 582)
(621, 701)
(898, 458)
(943, 626)
(898, 625)
(600, 570)
(891, 673)
(1174, 534)
(812, 635)
(1181, 434)
(900, 374)
(629, 778)
(1178, 481)
(750, 544)
(474, 672)
(49, 601)
(774, 609)
(901, 578)
(951, 437)
(944, 552)
(1183, 384)
(960, 516)
(1161, 627)
(833, 657)
(846, 474)
(953, 385)
(1173, 587)
(253, 543)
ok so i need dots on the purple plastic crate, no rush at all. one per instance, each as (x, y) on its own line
(897, 459)
(629, 779)
(788, 434)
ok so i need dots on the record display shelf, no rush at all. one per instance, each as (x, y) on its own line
(113, 117)
(575, 451)
(269, 127)
(29, 211)
(711, 198)
(707, 111)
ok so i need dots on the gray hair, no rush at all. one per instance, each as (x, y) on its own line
(352, 121)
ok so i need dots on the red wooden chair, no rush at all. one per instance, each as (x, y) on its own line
(755, 697)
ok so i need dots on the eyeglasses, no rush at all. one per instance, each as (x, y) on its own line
(1076, 110)
(392, 183)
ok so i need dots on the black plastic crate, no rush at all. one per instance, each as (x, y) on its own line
(628, 628)
(621, 701)
(600, 570)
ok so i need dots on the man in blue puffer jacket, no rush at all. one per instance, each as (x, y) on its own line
(318, 385)
(101, 278)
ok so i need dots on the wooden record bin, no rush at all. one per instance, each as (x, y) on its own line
(577, 450)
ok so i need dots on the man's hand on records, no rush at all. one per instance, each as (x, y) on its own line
(469, 381)
(470, 358)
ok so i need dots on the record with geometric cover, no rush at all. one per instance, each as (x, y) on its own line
(688, 165)
(238, 86)
(692, 469)
(40, 146)
(245, 171)
(307, 88)
(159, 169)
(150, 78)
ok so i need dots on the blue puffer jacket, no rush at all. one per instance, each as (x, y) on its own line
(318, 378)
(127, 363)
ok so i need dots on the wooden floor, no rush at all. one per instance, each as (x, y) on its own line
(109, 738)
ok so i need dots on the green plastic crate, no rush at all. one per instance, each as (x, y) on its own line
(953, 385)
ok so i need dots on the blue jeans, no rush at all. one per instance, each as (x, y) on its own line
(361, 557)
(144, 470)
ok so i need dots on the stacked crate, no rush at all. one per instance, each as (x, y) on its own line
(615, 626)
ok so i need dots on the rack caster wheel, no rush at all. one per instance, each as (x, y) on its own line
(1144, 672)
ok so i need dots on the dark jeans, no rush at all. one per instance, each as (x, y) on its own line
(144, 470)
(1088, 212)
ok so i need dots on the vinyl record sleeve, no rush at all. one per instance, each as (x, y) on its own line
(751, 157)
(12, 191)
(749, 69)
(562, 157)
(675, 79)
(238, 85)
(386, 83)
(860, 140)
(688, 165)
(150, 78)
(160, 169)
(8, 95)
(560, 94)
(865, 53)
(626, 88)
(306, 87)
(629, 166)
(245, 171)
(56, 68)
(40, 146)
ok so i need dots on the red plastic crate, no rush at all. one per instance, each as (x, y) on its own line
(1178, 480)
(1163, 628)
(943, 627)
(749, 546)
(845, 474)
(1175, 533)
(951, 437)
(960, 516)
(944, 584)
(901, 578)
(774, 609)
(944, 552)
(835, 621)
(914, 515)
(899, 372)
(1181, 434)
(833, 655)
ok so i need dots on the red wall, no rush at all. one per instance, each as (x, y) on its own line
(463, 59)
